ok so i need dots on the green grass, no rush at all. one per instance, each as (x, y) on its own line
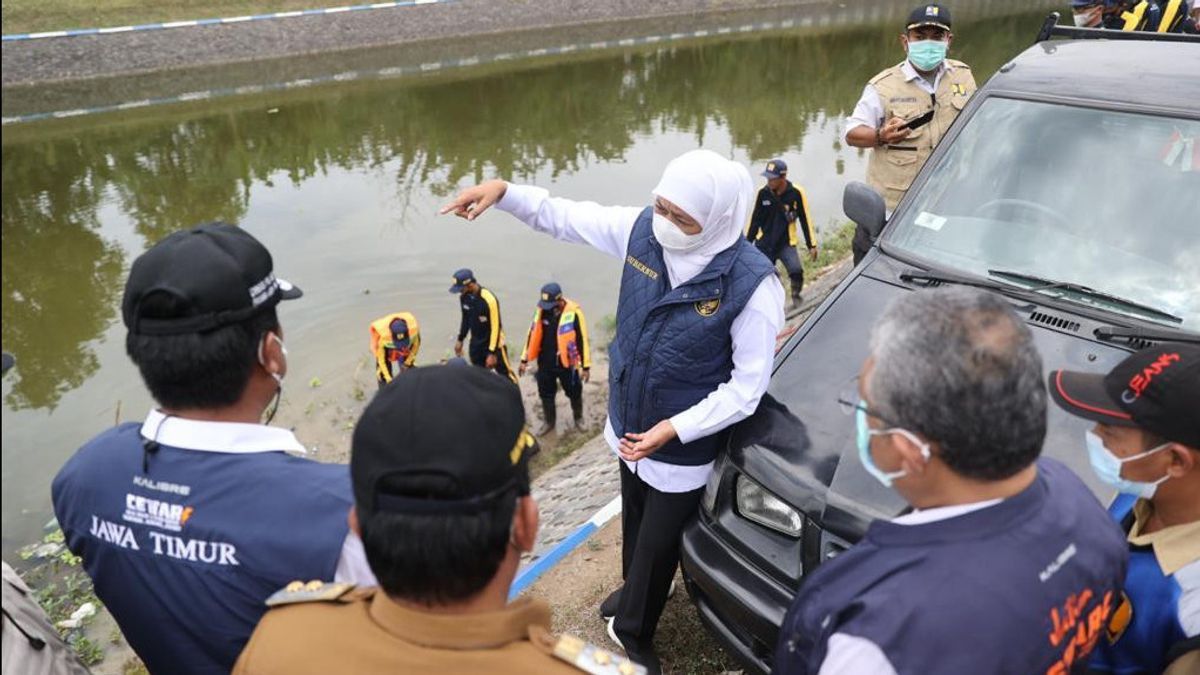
(833, 248)
(28, 16)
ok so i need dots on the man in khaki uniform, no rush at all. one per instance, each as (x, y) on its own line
(892, 117)
(440, 467)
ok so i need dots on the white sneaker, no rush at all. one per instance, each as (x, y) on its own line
(612, 633)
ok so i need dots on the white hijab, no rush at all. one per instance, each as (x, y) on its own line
(717, 193)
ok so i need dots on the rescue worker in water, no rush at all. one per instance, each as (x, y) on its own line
(558, 344)
(395, 339)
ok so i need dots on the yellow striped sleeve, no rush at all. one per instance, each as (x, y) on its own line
(586, 347)
(808, 226)
(493, 307)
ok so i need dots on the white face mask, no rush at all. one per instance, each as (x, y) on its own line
(673, 239)
(272, 407)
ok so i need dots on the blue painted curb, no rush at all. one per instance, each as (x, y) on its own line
(17, 37)
(526, 577)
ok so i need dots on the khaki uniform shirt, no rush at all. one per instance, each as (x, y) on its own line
(364, 631)
(892, 168)
(31, 645)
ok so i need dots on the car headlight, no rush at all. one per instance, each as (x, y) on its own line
(756, 504)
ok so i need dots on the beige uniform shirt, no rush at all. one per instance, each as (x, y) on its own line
(364, 631)
(892, 168)
(31, 645)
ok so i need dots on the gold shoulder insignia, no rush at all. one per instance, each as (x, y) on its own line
(592, 659)
(313, 591)
(957, 64)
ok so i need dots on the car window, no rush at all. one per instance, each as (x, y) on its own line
(1108, 200)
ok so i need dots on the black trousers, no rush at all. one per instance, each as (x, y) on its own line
(549, 378)
(479, 353)
(652, 524)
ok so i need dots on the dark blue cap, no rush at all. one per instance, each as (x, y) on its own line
(776, 168)
(461, 279)
(551, 293)
(399, 328)
(929, 15)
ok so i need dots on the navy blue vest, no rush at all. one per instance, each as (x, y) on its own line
(1025, 586)
(184, 555)
(673, 346)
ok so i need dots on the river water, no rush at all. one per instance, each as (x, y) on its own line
(342, 182)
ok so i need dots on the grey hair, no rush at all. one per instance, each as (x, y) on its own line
(958, 366)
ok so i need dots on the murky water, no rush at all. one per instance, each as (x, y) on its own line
(343, 182)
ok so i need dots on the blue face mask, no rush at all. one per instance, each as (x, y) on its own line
(926, 55)
(1108, 468)
(865, 432)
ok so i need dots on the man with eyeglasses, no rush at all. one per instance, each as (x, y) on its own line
(1005, 562)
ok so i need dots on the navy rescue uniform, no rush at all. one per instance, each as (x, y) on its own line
(1161, 605)
(334, 628)
(774, 225)
(1024, 586)
(183, 546)
(481, 318)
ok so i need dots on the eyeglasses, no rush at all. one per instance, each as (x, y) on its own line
(849, 402)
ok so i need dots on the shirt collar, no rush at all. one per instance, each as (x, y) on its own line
(911, 73)
(229, 437)
(920, 516)
(483, 630)
(1174, 547)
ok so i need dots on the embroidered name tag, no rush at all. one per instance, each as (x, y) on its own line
(641, 267)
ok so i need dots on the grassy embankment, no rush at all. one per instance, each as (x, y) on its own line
(28, 16)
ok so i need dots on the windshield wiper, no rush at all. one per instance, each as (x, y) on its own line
(1044, 284)
(1164, 334)
(932, 278)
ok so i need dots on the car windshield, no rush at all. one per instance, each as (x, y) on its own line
(1042, 192)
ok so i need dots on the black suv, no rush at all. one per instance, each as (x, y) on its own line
(1071, 185)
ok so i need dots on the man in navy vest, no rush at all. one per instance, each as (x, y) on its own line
(1146, 445)
(187, 522)
(1006, 562)
(697, 316)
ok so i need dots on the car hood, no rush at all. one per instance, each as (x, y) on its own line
(800, 444)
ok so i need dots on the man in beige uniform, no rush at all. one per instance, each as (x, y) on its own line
(889, 116)
(440, 467)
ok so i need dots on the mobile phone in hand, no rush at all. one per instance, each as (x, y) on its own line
(918, 121)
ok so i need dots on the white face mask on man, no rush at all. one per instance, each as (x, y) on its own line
(273, 406)
(673, 239)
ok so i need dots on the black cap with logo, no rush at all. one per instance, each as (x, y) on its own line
(462, 277)
(1156, 389)
(776, 168)
(464, 427)
(551, 294)
(928, 15)
(198, 280)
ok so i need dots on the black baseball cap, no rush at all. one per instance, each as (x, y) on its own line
(551, 294)
(1156, 389)
(399, 329)
(461, 279)
(198, 280)
(776, 168)
(462, 427)
(929, 15)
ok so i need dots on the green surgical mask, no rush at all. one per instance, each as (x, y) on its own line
(927, 55)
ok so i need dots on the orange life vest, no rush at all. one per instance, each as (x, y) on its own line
(569, 354)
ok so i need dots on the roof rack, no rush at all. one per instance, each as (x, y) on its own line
(1051, 29)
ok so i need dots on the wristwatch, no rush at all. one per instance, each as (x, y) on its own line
(878, 136)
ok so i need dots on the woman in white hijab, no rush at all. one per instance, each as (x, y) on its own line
(697, 317)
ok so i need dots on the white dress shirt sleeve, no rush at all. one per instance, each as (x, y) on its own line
(352, 566)
(868, 112)
(852, 655)
(753, 333)
(604, 228)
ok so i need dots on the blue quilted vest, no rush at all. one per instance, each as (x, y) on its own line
(673, 347)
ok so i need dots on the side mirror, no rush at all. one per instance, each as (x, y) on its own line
(865, 207)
